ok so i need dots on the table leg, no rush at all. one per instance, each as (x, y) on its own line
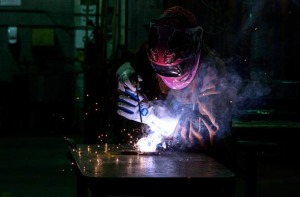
(81, 186)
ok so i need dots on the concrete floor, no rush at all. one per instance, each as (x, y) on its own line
(37, 166)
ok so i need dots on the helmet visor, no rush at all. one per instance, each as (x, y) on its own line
(176, 69)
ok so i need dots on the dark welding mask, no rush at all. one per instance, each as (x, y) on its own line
(174, 53)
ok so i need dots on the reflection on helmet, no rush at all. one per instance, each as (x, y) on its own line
(185, 79)
(175, 68)
(175, 41)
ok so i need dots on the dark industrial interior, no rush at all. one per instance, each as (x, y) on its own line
(56, 73)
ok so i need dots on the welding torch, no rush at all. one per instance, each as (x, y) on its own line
(136, 83)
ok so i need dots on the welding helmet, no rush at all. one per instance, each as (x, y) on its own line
(174, 47)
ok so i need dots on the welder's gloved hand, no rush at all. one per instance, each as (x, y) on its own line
(155, 116)
(128, 80)
(135, 107)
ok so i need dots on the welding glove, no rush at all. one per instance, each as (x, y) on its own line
(145, 111)
(128, 80)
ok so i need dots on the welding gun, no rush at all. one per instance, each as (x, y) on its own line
(129, 84)
(134, 105)
(148, 113)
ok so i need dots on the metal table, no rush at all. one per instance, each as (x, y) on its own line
(104, 170)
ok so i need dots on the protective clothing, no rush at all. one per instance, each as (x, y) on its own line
(128, 80)
(135, 106)
(133, 109)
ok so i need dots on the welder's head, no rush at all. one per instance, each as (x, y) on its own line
(174, 46)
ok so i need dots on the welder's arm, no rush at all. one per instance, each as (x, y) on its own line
(143, 110)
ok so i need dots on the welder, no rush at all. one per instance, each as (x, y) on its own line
(176, 86)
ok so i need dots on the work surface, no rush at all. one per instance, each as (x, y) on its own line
(100, 166)
(113, 161)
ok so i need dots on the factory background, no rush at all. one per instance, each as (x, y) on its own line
(60, 64)
(57, 58)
